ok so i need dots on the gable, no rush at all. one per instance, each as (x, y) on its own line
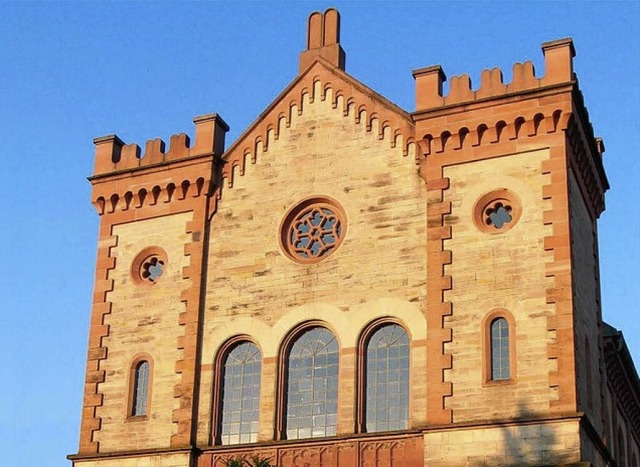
(347, 96)
(326, 139)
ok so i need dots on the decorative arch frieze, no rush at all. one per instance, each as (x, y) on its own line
(321, 82)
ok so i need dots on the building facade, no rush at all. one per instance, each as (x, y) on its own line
(352, 284)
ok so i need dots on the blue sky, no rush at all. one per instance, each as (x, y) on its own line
(73, 71)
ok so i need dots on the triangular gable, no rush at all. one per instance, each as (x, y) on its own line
(320, 81)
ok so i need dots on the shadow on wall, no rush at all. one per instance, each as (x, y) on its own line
(533, 444)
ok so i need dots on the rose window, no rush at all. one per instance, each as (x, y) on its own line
(312, 230)
(497, 211)
(149, 265)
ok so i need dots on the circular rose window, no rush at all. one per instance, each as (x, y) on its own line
(149, 265)
(497, 211)
(312, 230)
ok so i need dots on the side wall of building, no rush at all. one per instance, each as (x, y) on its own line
(586, 305)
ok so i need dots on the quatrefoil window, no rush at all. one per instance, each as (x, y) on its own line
(497, 211)
(312, 230)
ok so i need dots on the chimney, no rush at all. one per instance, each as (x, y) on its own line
(323, 40)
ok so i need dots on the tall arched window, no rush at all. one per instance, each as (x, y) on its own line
(312, 385)
(387, 379)
(240, 394)
(140, 397)
(500, 358)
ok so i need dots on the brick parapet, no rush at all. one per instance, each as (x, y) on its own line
(112, 155)
(558, 57)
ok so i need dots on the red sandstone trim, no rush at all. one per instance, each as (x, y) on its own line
(93, 398)
(120, 197)
(185, 417)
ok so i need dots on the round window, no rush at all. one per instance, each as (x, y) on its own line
(312, 230)
(497, 211)
(149, 265)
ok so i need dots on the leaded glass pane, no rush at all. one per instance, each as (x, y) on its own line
(312, 385)
(241, 395)
(387, 379)
(140, 389)
(500, 349)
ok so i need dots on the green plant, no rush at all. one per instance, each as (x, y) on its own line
(253, 461)
(259, 461)
(237, 461)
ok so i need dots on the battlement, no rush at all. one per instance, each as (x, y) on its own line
(558, 61)
(113, 155)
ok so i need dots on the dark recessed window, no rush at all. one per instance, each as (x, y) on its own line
(500, 363)
(140, 389)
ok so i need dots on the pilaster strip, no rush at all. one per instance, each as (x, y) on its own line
(185, 416)
(437, 308)
(96, 353)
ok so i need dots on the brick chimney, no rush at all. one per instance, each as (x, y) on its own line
(323, 40)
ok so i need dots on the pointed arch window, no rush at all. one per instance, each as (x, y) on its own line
(140, 397)
(312, 385)
(386, 368)
(240, 398)
(500, 358)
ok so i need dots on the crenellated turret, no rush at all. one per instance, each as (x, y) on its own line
(558, 59)
(113, 155)
(155, 190)
(124, 178)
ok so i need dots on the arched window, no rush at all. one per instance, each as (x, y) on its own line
(386, 397)
(312, 385)
(240, 394)
(500, 358)
(140, 398)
